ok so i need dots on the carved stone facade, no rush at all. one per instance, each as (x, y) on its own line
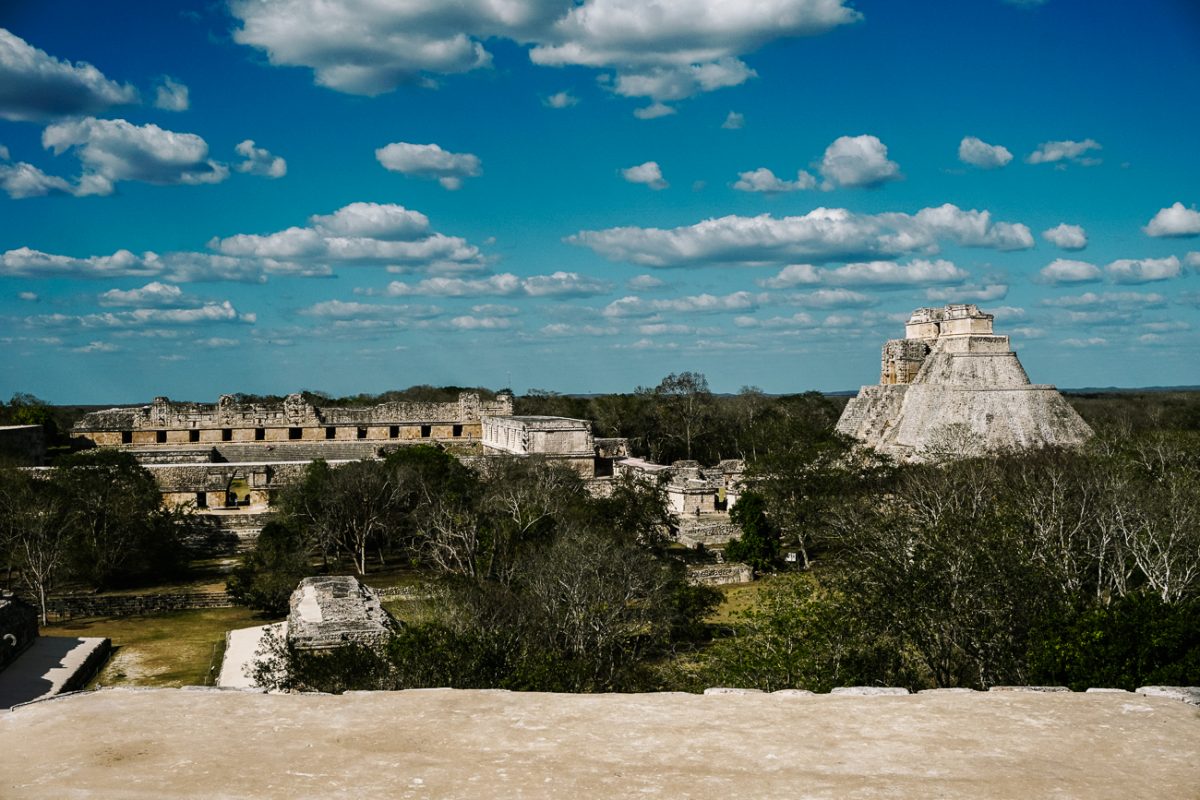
(164, 423)
(953, 388)
(560, 439)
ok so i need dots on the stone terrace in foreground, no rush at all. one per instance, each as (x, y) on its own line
(440, 743)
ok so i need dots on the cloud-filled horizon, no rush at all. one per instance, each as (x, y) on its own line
(585, 196)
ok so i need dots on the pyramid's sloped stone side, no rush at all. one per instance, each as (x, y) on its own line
(971, 395)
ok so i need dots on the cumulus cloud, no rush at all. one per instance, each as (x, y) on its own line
(24, 262)
(113, 150)
(734, 121)
(1065, 152)
(563, 329)
(1066, 237)
(649, 174)
(797, 320)
(764, 180)
(207, 313)
(1063, 270)
(633, 306)
(1144, 270)
(368, 234)
(654, 111)
(562, 99)
(968, 294)
(342, 310)
(557, 284)
(1093, 300)
(889, 273)
(1174, 221)
(1092, 341)
(822, 235)
(156, 294)
(831, 298)
(35, 86)
(974, 228)
(663, 50)
(171, 95)
(430, 161)
(647, 283)
(973, 150)
(857, 161)
(260, 161)
(360, 233)
(21, 180)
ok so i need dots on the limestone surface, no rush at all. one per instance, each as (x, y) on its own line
(953, 388)
(443, 743)
(334, 610)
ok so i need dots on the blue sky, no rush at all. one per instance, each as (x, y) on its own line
(269, 195)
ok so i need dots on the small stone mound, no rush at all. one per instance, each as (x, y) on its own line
(332, 611)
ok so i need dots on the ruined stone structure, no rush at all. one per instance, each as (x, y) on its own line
(559, 439)
(952, 387)
(164, 424)
(332, 611)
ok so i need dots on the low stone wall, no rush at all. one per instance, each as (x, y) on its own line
(133, 605)
(719, 574)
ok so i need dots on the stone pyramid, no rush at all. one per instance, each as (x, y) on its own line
(952, 387)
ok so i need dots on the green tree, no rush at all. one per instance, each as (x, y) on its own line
(269, 573)
(758, 545)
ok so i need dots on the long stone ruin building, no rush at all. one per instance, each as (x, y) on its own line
(952, 386)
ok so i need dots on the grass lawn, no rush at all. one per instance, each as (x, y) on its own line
(183, 648)
(738, 597)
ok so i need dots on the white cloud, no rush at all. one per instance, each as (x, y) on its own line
(205, 314)
(360, 233)
(564, 284)
(654, 111)
(430, 161)
(385, 221)
(368, 234)
(557, 284)
(792, 275)
(29, 297)
(1193, 259)
(342, 310)
(171, 95)
(645, 283)
(968, 294)
(795, 321)
(822, 235)
(648, 173)
(663, 50)
(763, 180)
(1093, 341)
(633, 306)
(973, 150)
(562, 99)
(831, 298)
(734, 121)
(21, 180)
(563, 329)
(889, 273)
(259, 161)
(114, 150)
(1063, 270)
(1144, 270)
(1125, 300)
(1065, 151)
(495, 310)
(1066, 237)
(35, 86)
(468, 322)
(155, 294)
(1175, 220)
(97, 347)
(857, 161)
(975, 228)
(24, 262)
(216, 342)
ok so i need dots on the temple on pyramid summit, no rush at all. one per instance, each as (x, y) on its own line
(953, 387)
